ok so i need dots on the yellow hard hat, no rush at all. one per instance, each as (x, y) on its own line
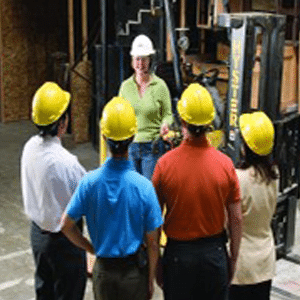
(49, 103)
(196, 106)
(258, 132)
(118, 120)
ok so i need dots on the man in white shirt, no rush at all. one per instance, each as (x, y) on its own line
(49, 176)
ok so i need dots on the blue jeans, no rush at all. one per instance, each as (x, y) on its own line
(60, 266)
(145, 156)
(195, 270)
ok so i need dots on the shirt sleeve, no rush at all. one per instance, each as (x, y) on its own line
(153, 212)
(76, 207)
(78, 172)
(156, 183)
(235, 191)
(63, 180)
(166, 109)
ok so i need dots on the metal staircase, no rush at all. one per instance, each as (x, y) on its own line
(136, 17)
(150, 18)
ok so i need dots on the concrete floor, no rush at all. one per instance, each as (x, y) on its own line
(16, 264)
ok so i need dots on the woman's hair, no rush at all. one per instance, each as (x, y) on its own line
(262, 165)
(52, 129)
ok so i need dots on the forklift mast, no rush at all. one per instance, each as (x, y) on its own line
(245, 30)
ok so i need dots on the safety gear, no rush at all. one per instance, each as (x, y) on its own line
(142, 46)
(196, 106)
(49, 103)
(258, 132)
(118, 121)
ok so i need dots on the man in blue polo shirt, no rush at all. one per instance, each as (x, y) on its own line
(121, 210)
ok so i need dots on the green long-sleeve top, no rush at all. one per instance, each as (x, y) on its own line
(152, 110)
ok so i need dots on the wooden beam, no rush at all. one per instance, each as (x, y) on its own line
(71, 32)
(182, 13)
(84, 17)
(168, 48)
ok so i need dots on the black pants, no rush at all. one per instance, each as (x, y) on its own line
(196, 270)
(259, 291)
(60, 266)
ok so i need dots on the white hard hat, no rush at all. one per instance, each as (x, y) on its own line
(142, 46)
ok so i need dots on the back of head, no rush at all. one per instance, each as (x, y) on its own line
(258, 134)
(142, 46)
(118, 124)
(49, 104)
(196, 107)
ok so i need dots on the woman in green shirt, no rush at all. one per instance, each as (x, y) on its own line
(150, 97)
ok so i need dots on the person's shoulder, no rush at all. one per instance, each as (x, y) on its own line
(247, 174)
(31, 142)
(91, 178)
(63, 155)
(93, 175)
(170, 157)
(159, 80)
(137, 180)
(63, 160)
(127, 81)
(136, 177)
(242, 171)
(222, 157)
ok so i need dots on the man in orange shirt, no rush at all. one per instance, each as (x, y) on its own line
(199, 187)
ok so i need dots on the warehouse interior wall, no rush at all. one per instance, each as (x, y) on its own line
(30, 33)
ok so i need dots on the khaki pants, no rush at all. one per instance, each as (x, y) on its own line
(119, 280)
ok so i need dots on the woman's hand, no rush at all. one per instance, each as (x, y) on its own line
(164, 129)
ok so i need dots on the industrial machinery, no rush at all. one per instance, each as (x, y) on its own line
(246, 30)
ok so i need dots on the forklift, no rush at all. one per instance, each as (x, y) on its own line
(246, 31)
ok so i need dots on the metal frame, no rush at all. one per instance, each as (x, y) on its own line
(243, 29)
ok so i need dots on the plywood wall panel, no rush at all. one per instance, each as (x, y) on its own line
(81, 102)
(29, 35)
